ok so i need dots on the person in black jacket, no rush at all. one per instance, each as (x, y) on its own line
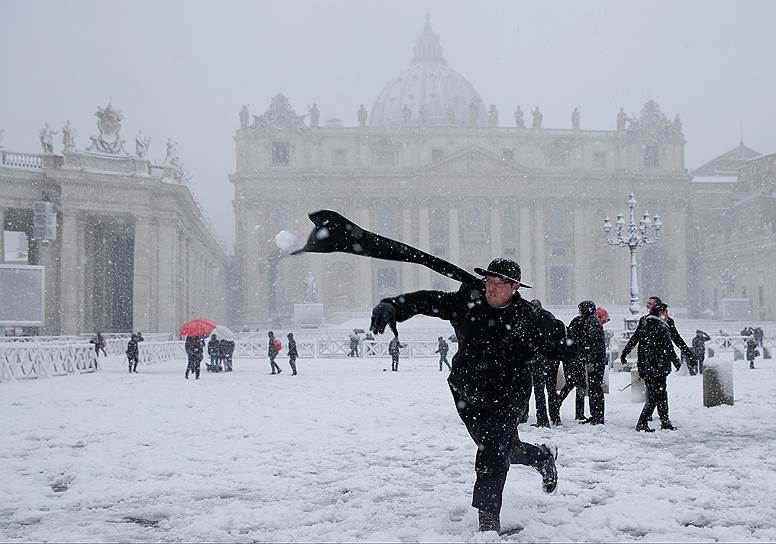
(544, 374)
(292, 353)
(751, 350)
(214, 351)
(194, 348)
(442, 351)
(227, 352)
(498, 334)
(699, 350)
(656, 354)
(393, 350)
(675, 336)
(133, 353)
(580, 331)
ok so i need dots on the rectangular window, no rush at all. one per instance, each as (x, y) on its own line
(651, 159)
(280, 155)
(599, 159)
(339, 157)
(437, 153)
(507, 155)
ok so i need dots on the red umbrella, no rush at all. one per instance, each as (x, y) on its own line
(196, 327)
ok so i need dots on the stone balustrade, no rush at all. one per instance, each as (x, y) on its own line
(39, 360)
(14, 159)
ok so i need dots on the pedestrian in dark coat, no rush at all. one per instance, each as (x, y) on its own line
(227, 347)
(581, 331)
(393, 350)
(99, 344)
(498, 334)
(676, 338)
(596, 366)
(442, 351)
(194, 352)
(214, 351)
(751, 350)
(656, 354)
(355, 340)
(699, 350)
(758, 335)
(133, 353)
(292, 353)
(272, 352)
(544, 374)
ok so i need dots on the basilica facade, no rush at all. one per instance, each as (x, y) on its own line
(433, 165)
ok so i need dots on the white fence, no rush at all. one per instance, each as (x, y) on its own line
(37, 360)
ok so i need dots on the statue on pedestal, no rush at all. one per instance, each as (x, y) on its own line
(362, 113)
(310, 290)
(575, 119)
(537, 117)
(142, 143)
(47, 139)
(244, 117)
(492, 116)
(519, 118)
(68, 137)
(109, 140)
(622, 118)
(172, 152)
(315, 115)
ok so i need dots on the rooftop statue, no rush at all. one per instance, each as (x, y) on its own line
(575, 119)
(47, 139)
(519, 118)
(362, 113)
(537, 117)
(68, 137)
(244, 116)
(315, 115)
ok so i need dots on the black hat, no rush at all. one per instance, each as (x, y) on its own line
(504, 269)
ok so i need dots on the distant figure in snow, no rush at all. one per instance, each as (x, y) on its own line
(194, 348)
(273, 348)
(214, 351)
(227, 351)
(355, 339)
(751, 350)
(393, 349)
(133, 353)
(699, 350)
(99, 344)
(292, 353)
(442, 351)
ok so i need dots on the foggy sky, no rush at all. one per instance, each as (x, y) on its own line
(182, 69)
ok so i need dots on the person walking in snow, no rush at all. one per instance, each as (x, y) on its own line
(498, 334)
(699, 350)
(751, 350)
(227, 352)
(214, 351)
(273, 348)
(442, 351)
(99, 344)
(133, 353)
(194, 352)
(355, 339)
(393, 350)
(292, 353)
(655, 356)
(575, 372)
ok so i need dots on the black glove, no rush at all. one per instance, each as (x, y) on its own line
(383, 314)
(623, 360)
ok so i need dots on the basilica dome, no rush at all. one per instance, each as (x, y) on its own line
(428, 93)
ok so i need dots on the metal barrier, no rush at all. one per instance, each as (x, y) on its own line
(28, 360)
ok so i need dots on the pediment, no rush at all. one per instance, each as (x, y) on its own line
(473, 159)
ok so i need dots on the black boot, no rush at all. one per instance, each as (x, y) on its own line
(547, 469)
(667, 426)
(489, 521)
(644, 426)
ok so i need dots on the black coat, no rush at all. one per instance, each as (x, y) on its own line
(639, 333)
(495, 345)
(292, 352)
(699, 345)
(194, 346)
(588, 334)
(656, 350)
(132, 349)
(751, 349)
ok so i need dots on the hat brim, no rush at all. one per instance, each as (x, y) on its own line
(485, 272)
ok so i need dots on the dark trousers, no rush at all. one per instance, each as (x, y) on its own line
(132, 360)
(193, 367)
(545, 376)
(498, 446)
(292, 362)
(274, 366)
(395, 362)
(657, 397)
(443, 359)
(575, 379)
(595, 379)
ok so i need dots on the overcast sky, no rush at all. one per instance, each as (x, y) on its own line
(183, 69)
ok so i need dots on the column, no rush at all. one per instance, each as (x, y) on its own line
(71, 281)
(141, 280)
(454, 235)
(407, 270)
(524, 258)
(166, 281)
(539, 273)
(496, 247)
(364, 271)
(581, 253)
(424, 243)
(2, 235)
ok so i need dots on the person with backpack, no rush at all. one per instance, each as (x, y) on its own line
(292, 353)
(273, 348)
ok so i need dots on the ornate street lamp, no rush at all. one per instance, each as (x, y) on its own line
(633, 235)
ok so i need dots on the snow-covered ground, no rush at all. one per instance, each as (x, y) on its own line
(348, 452)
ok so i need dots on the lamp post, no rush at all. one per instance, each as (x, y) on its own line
(632, 236)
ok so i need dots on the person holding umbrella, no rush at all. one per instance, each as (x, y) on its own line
(194, 331)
